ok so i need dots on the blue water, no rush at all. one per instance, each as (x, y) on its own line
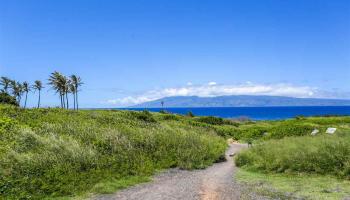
(259, 113)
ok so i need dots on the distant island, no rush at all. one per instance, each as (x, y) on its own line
(240, 101)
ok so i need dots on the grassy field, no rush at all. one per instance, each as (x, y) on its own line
(286, 159)
(49, 153)
(296, 186)
(56, 153)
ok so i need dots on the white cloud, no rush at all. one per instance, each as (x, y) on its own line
(213, 89)
(212, 83)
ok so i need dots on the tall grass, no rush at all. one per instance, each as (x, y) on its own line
(322, 155)
(54, 152)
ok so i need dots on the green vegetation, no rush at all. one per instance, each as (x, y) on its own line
(266, 130)
(321, 155)
(297, 186)
(7, 99)
(59, 153)
(286, 161)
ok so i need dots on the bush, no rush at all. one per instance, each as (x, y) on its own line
(211, 120)
(7, 99)
(145, 116)
(190, 114)
(322, 155)
(228, 131)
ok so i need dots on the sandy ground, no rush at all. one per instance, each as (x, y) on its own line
(213, 183)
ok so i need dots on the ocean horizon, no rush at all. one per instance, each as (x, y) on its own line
(255, 113)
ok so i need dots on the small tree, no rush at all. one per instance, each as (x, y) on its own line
(190, 114)
(5, 98)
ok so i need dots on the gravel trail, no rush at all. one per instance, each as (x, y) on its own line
(212, 183)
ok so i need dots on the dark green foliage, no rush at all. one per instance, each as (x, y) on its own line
(190, 114)
(7, 99)
(145, 116)
(211, 120)
(55, 152)
(228, 131)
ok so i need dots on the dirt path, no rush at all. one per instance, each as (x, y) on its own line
(213, 183)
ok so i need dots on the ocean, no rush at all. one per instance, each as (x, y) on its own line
(258, 113)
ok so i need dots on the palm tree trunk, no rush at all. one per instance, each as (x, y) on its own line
(19, 100)
(67, 100)
(62, 101)
(74, 99)
(76, 96)
(25, 101)
(39, 100)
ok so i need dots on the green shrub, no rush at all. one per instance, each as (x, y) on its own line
(190, 114)
(7, 125)
(7, 99)
(322, 155)
(169, 117)
(289, 129)
(145, 116)
(228, 131)
(211, 120)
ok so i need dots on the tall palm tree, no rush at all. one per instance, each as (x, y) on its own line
(6, 83)
(60, 83)
(26, 89)
(56, 83)
(77, 82)
(38, 86)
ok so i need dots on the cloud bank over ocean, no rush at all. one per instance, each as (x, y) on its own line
(213, 89)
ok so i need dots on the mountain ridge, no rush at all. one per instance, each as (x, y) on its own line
(241, 101)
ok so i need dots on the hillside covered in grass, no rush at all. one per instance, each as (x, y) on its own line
(288, 158)
(288, 146)
(56, 152)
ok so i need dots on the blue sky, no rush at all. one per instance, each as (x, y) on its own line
(132, 51)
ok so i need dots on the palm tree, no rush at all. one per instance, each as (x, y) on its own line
(5, 82)
(76, 81)
(38, 86)
(65, 82)
(26, 89)
(55, 80)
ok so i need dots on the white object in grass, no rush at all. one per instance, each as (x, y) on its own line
(314, 132)
(331, 130)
